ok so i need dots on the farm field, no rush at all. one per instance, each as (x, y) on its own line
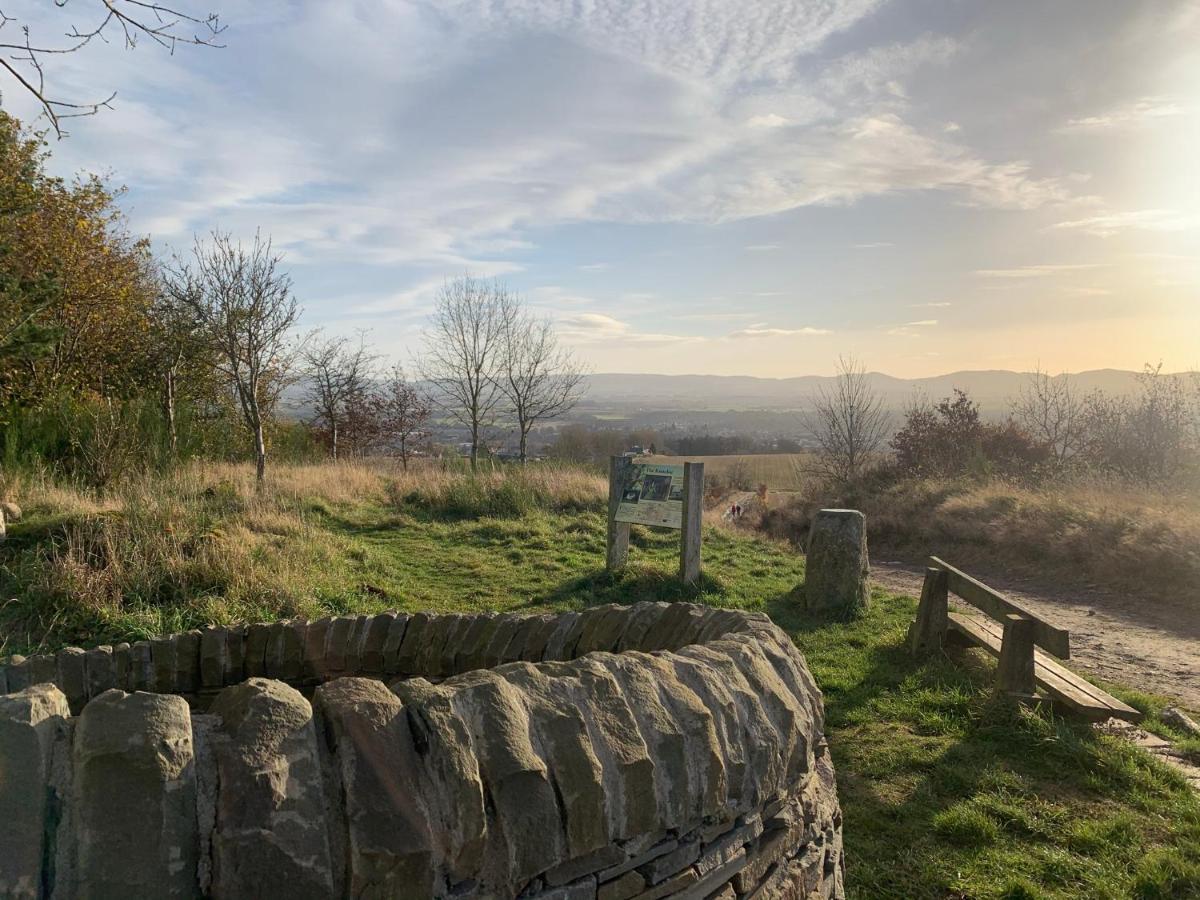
(778, 471)
(946, 792)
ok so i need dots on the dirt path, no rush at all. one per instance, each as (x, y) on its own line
(1151, 646)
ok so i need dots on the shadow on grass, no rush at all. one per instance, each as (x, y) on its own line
(943, 785)
(633, 584)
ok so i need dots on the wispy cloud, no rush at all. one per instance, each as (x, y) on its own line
(1133, 220)
(761, 248)
(933, 304)
(1138, 112)
(763, 332)
(922, 323)
(873, 245)
(596, 327)
(1038, 271)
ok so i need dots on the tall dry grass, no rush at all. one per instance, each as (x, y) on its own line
(1077, 532)
(205, 543)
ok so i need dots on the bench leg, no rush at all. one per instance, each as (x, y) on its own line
(929, 630)
(1015, 674)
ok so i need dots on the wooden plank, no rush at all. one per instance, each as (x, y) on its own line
(1049, 637)
(1015, 672)
(1060, 682)
(989, 634)
(929, 630)
(693, 519)
(618, 532)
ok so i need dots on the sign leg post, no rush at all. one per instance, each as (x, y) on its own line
(618, 532)
(693, 517)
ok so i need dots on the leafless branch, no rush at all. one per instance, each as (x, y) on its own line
(166, 25)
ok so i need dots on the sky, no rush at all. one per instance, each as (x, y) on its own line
(687, 186)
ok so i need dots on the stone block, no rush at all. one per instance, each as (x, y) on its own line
(315, 639)
(354, 645)
(212, 657)
(187, 662)
(412, 644)
(271, 828)
(584, 889)
(17, 672)
(669, 864)
(337, 645)
(393, 642)
(235, 654)
(163, 659)
(122, 660)
(285, 654)
(72, 676)
(448, 776)
(43, 669)
(101, 672)
(31, 720)
(373, 642)
(389, 850)
(141, 666)
(258, 638)
(468, 655)
(622, 888)
(518, 779)
(837, 568)
(134, 798)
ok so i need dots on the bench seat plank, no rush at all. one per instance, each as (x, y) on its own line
(1049, 637)
(1058, 681)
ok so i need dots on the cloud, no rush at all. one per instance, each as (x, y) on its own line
(922, 323)
(1038, 271)
(443, 175)
(761, 248)
(763, 332)
(1145, 110)
(1133, 220)
(934, 304)
(873, 245)
(594, 267)
(770, 120)
(597, 327)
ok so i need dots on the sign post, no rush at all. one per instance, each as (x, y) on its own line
(662, 496)
(693, 519)
(618, 532)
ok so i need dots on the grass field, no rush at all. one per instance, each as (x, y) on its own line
(947, 793)
(778, 471)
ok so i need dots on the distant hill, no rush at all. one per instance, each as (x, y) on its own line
(991, 389)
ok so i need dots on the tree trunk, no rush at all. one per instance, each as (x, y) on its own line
(524, 444)
(260, 454)
(474, 447)
(403, 454)
(169, 403)
(335, 441)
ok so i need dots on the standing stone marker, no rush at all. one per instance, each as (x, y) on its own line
(837, 568)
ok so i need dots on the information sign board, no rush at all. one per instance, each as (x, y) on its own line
(651, 494)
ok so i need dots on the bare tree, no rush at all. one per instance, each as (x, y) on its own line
(463, 349)
(338, 371)
(244, 308)
(540, 380)
(1053, 414)
(848, 423)
(24, 56)
(403, 412)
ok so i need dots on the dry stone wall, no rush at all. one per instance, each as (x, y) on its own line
(648, 751)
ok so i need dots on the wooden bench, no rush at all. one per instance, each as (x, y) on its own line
(1023, 643)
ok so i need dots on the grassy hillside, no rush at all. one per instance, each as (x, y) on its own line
(946, 792)
(778, 471)
(1143, 539)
